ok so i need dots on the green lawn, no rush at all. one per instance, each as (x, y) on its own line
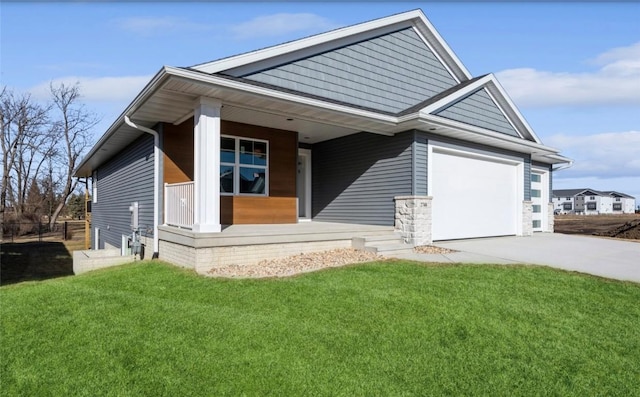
(389, 328)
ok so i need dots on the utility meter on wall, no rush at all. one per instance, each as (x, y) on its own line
(133, 208)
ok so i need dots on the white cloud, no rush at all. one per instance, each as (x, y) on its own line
(616, 82)
(605, 155)
(281, 24)
(98, 89)
(149, 26)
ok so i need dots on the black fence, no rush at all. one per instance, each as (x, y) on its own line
(12, 231)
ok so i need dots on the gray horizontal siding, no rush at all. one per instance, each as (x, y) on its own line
(356, 177)
(388, 73)
(478, 109)
(420, 164)
(126, 178)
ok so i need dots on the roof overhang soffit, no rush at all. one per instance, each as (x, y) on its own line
(441, 126)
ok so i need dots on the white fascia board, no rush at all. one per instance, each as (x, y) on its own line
(272, 56)
(151, 87)
(511, 107)
(312, 41)
(499, 96)
(533, 147)
(442, 50)
(455, 96)
(271, 93)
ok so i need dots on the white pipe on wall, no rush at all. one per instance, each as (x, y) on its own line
(156, 178)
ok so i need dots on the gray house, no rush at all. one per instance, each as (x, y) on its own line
(377, 124)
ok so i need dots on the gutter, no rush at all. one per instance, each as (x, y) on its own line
(566, 165)
(156, 179)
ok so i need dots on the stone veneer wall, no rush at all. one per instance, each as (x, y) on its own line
(550, 218)
(527, 218)
(413, 219)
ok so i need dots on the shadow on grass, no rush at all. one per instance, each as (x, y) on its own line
(30, 261)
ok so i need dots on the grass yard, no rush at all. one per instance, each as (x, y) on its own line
(388, 328)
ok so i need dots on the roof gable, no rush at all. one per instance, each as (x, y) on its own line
(484, 104)
(270, 57)
(388, 73)
(480, 110)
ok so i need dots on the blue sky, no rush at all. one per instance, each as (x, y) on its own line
(573, 69)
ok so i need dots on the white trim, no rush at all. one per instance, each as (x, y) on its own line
(455, 96)
(206, 166)
(94, 187)
(276, 94)
(341, 37)
(545, 193)
(237, 165)
(307, 194)
(499, 98)
(96, 238)
(157, 189)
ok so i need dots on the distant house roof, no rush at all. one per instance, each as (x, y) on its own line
(618, 194)
(588, 192)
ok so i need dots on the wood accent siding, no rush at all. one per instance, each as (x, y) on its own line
(126, 178)
(478, 109)
(257, 210)
(283, 154)
(356, 177)
(177, 145)
(279, 207)
(389, 73)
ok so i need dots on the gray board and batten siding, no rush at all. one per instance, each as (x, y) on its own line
(478, 109)
(388, 73)
(126, 178)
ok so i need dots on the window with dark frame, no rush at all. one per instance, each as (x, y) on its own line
(244, 166)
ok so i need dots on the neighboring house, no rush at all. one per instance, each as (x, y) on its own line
(360, 125)
(592, 202)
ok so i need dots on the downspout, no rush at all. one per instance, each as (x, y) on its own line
(156, 178)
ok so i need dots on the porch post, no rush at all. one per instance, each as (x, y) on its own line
(206, 167)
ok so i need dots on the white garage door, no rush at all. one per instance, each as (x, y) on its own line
(473, 195)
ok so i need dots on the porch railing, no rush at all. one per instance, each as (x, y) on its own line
(178, 204)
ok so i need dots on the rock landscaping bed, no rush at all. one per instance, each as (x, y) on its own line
(295, 264)
(430, 249)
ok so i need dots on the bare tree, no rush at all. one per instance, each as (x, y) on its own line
(26, 141)
(73, 126)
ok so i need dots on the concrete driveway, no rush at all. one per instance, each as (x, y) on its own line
(603, 257)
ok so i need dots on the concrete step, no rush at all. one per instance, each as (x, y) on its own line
(388, 245)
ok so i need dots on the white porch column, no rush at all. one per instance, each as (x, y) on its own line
(206, 167)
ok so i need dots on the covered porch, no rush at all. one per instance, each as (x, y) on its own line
(250, 244)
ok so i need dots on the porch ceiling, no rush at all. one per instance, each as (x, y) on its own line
(174, 100)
